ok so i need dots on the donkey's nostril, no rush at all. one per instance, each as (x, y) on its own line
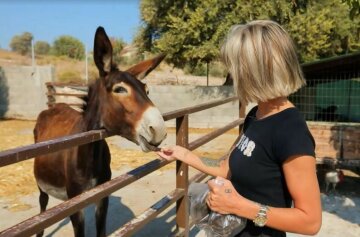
(152, 130)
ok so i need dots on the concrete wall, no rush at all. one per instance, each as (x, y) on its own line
(170, 98)
(23, 96)
(23, 90)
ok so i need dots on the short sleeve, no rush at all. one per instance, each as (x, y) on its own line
(293, 138)
(249, 117)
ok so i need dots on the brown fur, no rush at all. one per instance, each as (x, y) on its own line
(78, 169)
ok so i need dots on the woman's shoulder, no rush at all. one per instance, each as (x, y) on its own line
(252, 111)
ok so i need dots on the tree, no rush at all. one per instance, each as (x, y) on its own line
(324, 30)
(68, 46)
(191, 32)
(118, 45)
(42, 47)
(354, 7)
(21, 43)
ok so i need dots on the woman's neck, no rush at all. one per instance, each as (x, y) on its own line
(273, 106)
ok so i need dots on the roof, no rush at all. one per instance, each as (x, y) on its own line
(339, 66)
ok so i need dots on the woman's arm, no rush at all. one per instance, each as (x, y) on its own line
(212, 167)
(209, 166)
(303, 218)
(301, 180)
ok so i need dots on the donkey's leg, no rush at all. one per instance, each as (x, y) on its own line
(43, 200)
(77, 221)
(104, 175)
(101, 211)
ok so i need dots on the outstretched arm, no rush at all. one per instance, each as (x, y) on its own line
(209, 166)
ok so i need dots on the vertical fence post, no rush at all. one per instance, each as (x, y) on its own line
(50, 95)
(242, 113)
(182, 175)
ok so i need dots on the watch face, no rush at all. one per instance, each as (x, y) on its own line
(260, 221)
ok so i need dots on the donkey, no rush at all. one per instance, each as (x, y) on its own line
(117, 102)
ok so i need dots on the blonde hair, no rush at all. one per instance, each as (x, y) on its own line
(262, 61)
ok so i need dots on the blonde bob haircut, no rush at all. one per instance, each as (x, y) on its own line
(262, 61)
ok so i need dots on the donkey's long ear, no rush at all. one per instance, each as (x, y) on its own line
(102, 51)
(143, 68)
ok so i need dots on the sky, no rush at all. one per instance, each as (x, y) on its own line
(49, 19)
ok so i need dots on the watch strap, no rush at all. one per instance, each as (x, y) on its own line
(261, 217)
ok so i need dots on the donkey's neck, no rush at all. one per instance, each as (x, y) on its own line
(92, 111)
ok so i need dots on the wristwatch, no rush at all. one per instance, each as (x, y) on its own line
(261, 217)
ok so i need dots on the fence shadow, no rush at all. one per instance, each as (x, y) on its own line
(4, 94)
(163, 226)
(118, 214)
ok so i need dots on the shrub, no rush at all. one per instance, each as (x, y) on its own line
(68, 46)
(21, 43)
(42, 47)
(69, 76)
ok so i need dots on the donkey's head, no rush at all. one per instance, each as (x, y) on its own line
(125, 108)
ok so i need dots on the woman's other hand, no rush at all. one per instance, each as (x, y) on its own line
(223, 197)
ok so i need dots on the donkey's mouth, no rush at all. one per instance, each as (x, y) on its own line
(146, 146)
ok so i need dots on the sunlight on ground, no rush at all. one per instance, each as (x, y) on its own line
(17, 180)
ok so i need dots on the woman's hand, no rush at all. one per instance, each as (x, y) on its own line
(173, 153)
(223, 197)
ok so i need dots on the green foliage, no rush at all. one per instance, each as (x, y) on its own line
(324, 30)
(42, 48)
(118, 45)
(68, 46)
(216, 69)
(354, 6)
(191, 32)
(21, 43)
(69, 76)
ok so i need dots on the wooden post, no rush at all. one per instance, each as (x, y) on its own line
(207, 73)
(242, 113)
(182, 176)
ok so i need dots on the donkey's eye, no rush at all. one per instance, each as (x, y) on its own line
(119, 89)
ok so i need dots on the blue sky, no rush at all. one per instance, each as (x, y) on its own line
(48, 19)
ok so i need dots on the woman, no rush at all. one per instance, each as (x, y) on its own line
(270, 174)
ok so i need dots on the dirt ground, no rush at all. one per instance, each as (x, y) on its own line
(15, 133)
(18, 192)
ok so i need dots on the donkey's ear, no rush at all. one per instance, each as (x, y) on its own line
(102, 51)
(143, 68)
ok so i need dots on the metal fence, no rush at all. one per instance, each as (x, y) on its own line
(330, 98)
(39, 222)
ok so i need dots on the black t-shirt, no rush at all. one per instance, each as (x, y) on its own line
(256, 162)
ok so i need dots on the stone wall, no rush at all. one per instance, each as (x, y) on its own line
(23, 90)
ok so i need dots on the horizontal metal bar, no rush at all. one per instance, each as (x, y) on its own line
(189, 110)
(65, 94)
(210, 136)
(66, 84)
(69, 104)
(137, 223)
(198, 177)
(39, 222)
(29, 151)
(18, 154)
